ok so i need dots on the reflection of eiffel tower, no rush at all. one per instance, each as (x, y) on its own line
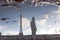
(21, 32)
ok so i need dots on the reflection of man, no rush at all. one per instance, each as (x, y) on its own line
(33, 26)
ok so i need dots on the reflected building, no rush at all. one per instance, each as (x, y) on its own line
(33, 26)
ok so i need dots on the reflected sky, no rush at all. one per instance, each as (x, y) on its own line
(46, 18)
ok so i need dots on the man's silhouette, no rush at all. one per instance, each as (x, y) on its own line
(33, 26)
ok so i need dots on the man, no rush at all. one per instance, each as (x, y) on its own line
(33, 26)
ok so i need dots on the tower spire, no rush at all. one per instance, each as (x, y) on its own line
(21, 32)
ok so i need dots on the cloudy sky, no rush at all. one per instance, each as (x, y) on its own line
(47, 19)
